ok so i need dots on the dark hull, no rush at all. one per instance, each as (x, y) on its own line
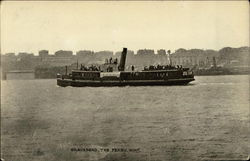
(90, 83)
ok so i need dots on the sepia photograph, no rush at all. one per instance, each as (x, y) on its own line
(125, 80)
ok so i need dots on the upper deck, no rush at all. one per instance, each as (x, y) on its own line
(132, 75)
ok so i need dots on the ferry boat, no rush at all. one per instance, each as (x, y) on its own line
(112, 73)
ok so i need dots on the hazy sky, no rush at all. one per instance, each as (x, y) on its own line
(31, 26)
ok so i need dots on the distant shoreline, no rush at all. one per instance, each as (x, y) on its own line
(238, 74)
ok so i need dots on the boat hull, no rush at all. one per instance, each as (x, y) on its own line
(99, 83)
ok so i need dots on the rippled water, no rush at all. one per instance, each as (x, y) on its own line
(206, 120)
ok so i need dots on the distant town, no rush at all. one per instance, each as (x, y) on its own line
(227, 60)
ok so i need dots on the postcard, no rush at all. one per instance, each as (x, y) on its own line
(125, 80)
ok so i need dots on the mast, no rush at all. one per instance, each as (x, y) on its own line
(170, 61)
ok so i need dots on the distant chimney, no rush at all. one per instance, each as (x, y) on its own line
(123, 60)
(214, 62)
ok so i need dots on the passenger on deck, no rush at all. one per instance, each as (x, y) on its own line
(83, 67)
(159, 67)
(133, 68)
(151, 67)
(115, 61)
(96, 69)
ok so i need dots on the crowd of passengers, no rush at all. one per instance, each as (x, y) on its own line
(111, 61)
(110, 69)
(95, 68)
(162, 67)
(91, 68)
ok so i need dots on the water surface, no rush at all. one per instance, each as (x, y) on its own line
(206, 120)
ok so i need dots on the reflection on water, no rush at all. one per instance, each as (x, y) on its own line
(208, 119)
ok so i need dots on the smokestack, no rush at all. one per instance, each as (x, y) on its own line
(121, 66)
(169, 57)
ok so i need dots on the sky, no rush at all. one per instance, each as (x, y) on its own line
(30, 26)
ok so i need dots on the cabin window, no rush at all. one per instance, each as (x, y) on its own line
(76, 74)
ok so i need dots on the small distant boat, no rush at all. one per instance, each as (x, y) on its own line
(113, 73)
